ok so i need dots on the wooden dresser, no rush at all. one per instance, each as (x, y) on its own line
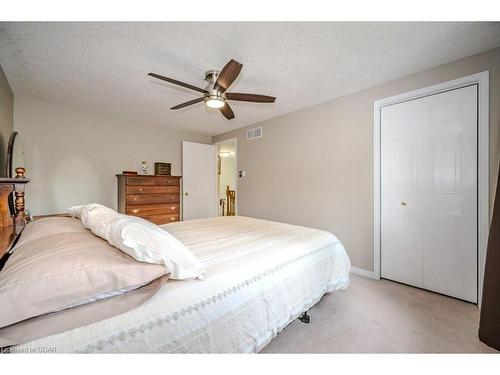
(154, 198)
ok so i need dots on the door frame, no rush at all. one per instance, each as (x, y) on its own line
(483, 196)
(235, 140)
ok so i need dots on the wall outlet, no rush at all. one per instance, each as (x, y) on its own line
(242, 173)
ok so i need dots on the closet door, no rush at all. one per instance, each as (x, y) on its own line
(429, 192)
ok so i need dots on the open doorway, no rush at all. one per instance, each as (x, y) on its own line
(226, 177)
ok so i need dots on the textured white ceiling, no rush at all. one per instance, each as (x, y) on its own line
(104, 65)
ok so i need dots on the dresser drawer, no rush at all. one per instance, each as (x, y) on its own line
(135, 189)
(167, 180)
(153, 209)
(133, 199)
(162, 219)
(154, 198)
(146, 180)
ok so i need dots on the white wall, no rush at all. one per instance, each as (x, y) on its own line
(73, 154)
(314, 167)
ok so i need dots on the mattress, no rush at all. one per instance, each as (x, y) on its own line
(260, 276)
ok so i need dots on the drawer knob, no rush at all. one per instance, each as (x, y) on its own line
(172, 218)
(140, 180)
(135, 210)
(172, 208)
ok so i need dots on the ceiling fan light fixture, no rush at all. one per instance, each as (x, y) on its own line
(215, 93)
(216, 103)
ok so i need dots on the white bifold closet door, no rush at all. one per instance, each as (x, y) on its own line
(429, 192)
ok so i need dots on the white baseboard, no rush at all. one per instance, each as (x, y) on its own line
(362, 272)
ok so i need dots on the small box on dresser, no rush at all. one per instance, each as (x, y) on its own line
(153, 198)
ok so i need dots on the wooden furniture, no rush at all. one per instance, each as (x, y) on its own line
(163, 169)
(222, 205)
(489, 324)
(154, 198)
(12, 215)
(231, 200)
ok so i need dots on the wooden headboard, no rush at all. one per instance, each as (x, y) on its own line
(12, 215)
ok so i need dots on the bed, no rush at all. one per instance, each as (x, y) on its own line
(260, 276)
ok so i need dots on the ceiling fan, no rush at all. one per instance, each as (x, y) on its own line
(214, 94)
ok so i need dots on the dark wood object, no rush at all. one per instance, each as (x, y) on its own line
(163, 169)
(227, 111)
(179, 83)
(231, 202)
(186, 104)
(255, 98)
(222, 204)
(489, 325)
(154, 198)
(227, 75)
(11, 223)
(130, 173)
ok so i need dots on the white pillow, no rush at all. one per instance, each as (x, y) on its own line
(80, 212)
(142, 240)
(76, 211)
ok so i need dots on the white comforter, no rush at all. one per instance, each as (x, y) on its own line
(261, 275)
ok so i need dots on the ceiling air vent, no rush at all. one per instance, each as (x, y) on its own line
(254, 133)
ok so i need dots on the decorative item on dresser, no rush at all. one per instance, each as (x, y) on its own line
(154, 198)
(163, 169)
(11, 224)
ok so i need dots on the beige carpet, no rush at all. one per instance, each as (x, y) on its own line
(384, 317)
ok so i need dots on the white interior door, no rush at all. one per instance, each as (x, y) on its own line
(199, 180)
(429, 192)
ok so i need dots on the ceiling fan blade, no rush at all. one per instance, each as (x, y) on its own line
(227, 75)
(176, 82)
(250, 97)
(191, 102)
(227, 111)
